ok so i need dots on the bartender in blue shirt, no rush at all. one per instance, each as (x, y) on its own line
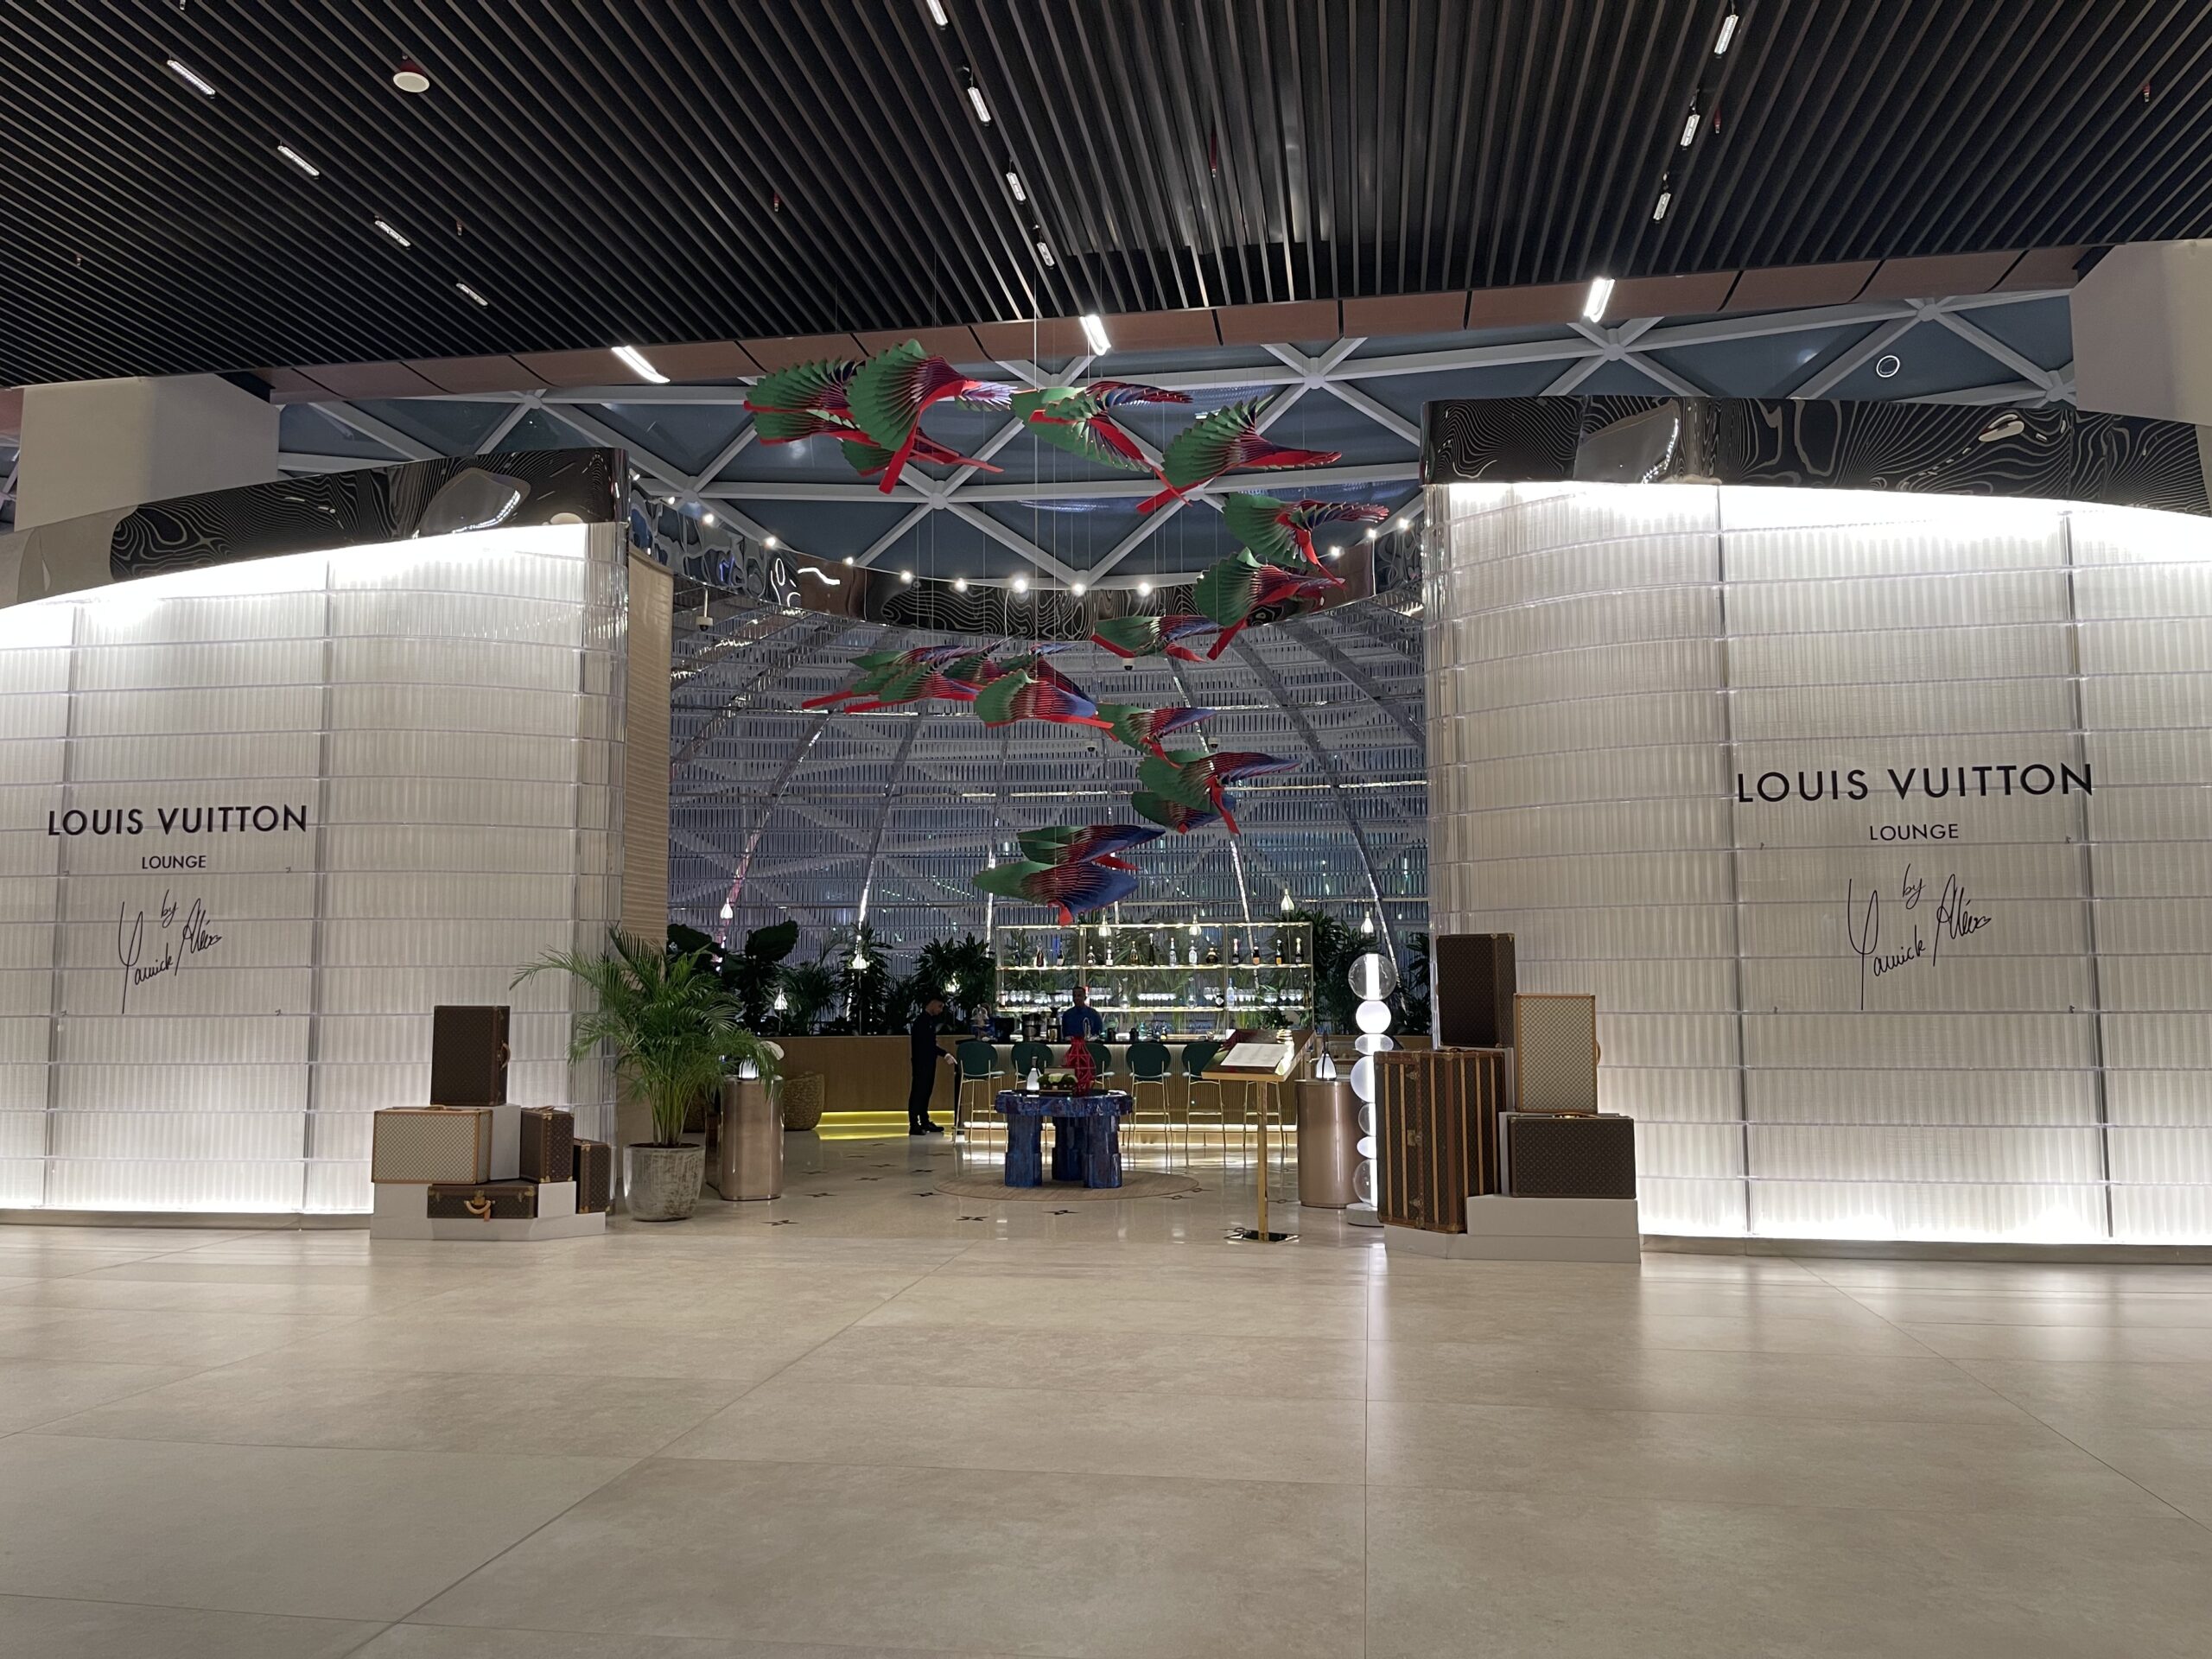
(1082, 1020)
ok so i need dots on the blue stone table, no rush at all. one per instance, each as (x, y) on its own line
(1086, 1136)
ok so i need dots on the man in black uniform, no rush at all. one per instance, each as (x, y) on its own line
(926, 1056)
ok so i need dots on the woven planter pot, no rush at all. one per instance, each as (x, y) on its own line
(802, 1100)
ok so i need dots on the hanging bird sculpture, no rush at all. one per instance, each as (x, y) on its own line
(1097, 843)
(1147, 636)
(1142, 729)
(813, 400)
(895, 388)
(1079, 420)
(1282, 532)
(1072, 889)
(1227, 440)
(1197, 780)
(1239, 590)
(1022, 695)
(1178, 815)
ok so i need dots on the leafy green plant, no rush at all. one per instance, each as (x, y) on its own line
(1334, 946)
(672, 1023)
(1413, 986)
(809, 988)
(749, 971)
(961, 971)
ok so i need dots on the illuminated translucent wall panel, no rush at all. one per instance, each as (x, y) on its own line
(311, 798)
(1674, 731)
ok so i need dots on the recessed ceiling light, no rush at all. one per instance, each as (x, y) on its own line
(905, 575)
(1404, 523)
(190, 77)
(1045, 254)
(960, 584)
(635, 360)
(470, 293)
(706, 518)
(1727, 34)
(849, 558)
(1887, 365)
(1076, 588)
(1689, 129)
(411, 76)
(1371, 534)
(1143, 588)
(1600, 295)
(1013, 183)
(771, 544)
(937, 14)
(299, 161)
(982, 109)
(1021, 584)
(393, 231)
(1659, 208)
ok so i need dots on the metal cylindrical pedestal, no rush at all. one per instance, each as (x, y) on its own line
(749, 1160)
(1328, 1136)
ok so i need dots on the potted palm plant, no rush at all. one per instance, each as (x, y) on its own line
(674, 1027)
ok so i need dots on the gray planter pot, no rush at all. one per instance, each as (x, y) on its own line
(662, 1183)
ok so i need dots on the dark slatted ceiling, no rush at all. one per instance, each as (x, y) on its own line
(606, 170)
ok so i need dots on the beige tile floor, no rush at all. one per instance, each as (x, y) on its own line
(875, 1420)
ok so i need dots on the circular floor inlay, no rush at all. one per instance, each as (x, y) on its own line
(1135, 1183)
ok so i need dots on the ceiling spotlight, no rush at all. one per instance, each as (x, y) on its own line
(771, 544)
(960, 584)
(1600, 296)
(982, 109)
(706, 518)
(1076, 588)
(937, 14)
(392, 231)
(1013, 183)
(1404, 523)
(1094, 330)
(728, 914)
(1045, 254)
(1719, 46)
(198, 83)
(469, 293)
(849, 558)
(1367, 926)
(1336, 553)
(1021, 584)
(1143, 588)
(299, 161)
(411, 76)
(1371, 533)
(1659, 208)
(635, 361)
(1285, 906)
(905, 575)
(1689, 129)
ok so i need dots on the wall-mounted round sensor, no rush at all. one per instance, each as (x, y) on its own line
(1887, 365)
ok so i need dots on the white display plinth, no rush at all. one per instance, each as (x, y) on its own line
(1531, 1229)
(399, 1214)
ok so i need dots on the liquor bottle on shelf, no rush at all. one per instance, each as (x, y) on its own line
(1213, 955)
(1278, 947)
(1235, 950)
(1172, 962)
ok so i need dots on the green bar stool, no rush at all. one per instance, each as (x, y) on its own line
(1149, 1063)
(979, 1069)
(1197, 1056)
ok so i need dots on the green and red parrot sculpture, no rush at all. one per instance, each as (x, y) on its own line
(1179, 815)
(1022, 695)
(1097, 843)
(1238, 589)
(895, 388)
(813, 400)
(1142, 729)
(878, 668)
(1196, 780)
(1079, 420)
(1072, 889)
(1227, 440)
(1282, 532)
(1146, 636)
